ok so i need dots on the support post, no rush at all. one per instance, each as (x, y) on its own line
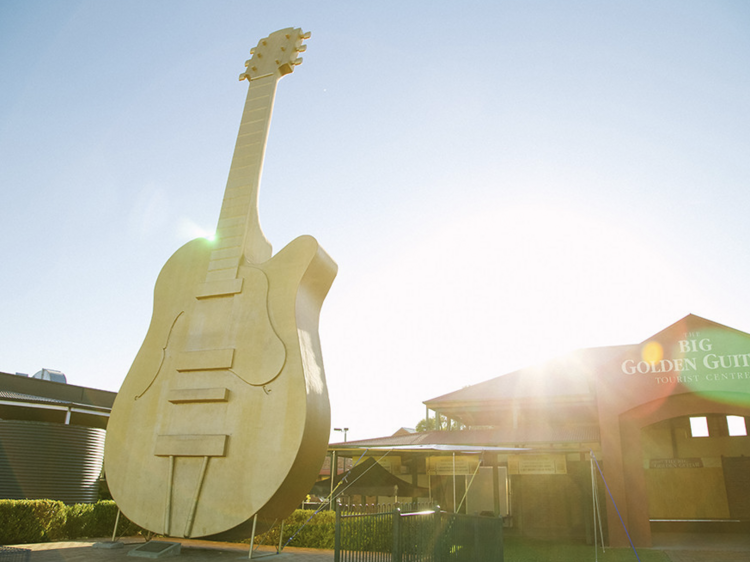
(117, 520)
(337, 535)
(593, 508)
(454, 483)
(281, 537)
(334, 474)
(252, 537)
(396, 535)
(496, 487)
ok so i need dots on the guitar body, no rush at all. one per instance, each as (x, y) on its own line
(224, 413)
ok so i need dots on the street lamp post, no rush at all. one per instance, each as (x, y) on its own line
(344, 429)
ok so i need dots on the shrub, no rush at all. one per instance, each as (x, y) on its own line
(30, 521)
(318, 532)
(33, 521)
(87, 520)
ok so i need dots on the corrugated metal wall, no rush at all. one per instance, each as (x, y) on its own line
(41, 460)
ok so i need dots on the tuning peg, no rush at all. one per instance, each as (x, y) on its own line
(252, 51)
(247, 63)
(297, 61)
(301, 48)
(305, 35)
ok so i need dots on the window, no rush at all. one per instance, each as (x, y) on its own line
(736, 425)
(699, 426)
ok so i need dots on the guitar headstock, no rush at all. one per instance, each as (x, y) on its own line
(277, 53)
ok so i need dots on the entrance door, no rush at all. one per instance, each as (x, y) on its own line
(481, 496)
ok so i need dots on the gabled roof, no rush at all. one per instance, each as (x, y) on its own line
(691, 323)
(562, 389)
(565, 378)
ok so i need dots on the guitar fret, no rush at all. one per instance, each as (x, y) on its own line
(242, 169)
(249, 114)
(234, 210)
(229, 241)
(251, 137)
(235, 202)
(245, 161)
(234, 252)
(237, 182)
(237, 211)
(228, 223)
(234, 230)
(230, 263)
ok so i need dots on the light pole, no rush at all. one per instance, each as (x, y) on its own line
(344, 429)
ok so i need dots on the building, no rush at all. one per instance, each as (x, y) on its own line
(51, 437)
(664, 420)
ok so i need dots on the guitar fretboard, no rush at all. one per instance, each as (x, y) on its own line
(238, 233)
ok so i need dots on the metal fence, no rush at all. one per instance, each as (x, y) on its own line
(399, 534)
(8, 554)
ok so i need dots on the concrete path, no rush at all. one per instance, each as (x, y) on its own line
(686, 548)
(192, 551)
(703, 547)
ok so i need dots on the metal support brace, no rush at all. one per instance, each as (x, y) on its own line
(252, 537)
(117, 520)
(281, 537)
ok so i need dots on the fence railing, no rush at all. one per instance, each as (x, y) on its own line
(400, 534)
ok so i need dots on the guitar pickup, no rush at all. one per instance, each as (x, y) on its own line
(190, 445)
(197, 395)
(205, 360)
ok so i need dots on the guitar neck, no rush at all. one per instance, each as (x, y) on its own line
(238, 233)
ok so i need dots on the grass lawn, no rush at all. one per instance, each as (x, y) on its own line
(529, 550)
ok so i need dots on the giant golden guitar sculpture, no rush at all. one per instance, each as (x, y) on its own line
(224, 414)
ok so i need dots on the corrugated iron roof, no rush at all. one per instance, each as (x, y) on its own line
(484, 437)
(10, 395)
(21, 397)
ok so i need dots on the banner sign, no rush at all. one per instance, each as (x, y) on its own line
(676, 463)
(704, 360)
(445, 466)
(537, 464)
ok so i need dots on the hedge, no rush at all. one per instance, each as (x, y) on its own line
(318, 530)
(35, 521)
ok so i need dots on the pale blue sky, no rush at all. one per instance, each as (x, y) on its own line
(498, 181)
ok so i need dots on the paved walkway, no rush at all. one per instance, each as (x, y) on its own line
(192, 551)
(679, 548)
(703, 547)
